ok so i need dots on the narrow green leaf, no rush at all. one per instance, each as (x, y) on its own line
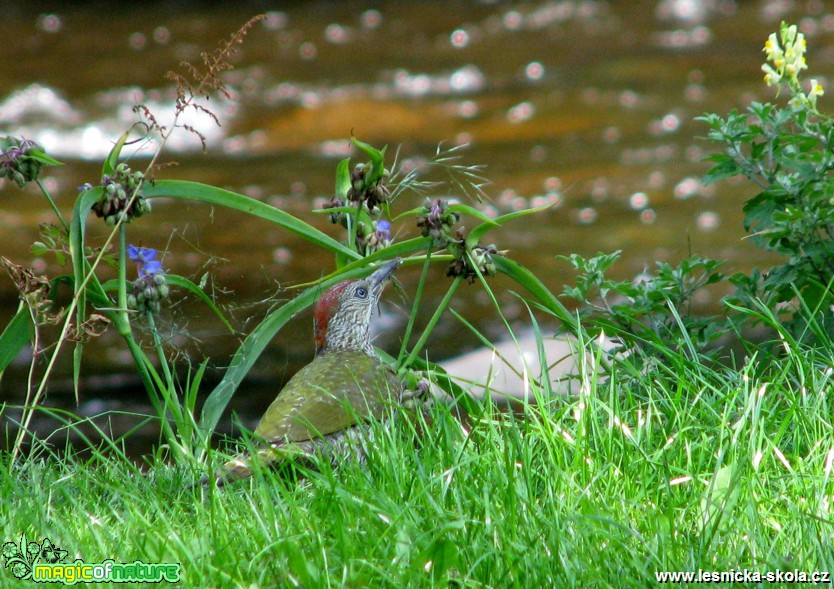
(343, 178)
(347, 209)
(113, 157)
(718, 495)
(441, 378)
(78, 225)
(246, 356)
(472, 212)
(415, 211)
(478, 232)
(534, 286)
(16, 336)
(377, 160)
(77, 352)
(193, 388)
(37, 154)
(399, 249)
(197, 191)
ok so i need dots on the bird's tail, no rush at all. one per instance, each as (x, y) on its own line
(243, 465)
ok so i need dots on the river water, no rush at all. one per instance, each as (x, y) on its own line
(585, 105)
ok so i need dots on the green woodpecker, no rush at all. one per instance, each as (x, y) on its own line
(344, 385)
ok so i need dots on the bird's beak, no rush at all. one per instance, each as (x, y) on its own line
(383, 273)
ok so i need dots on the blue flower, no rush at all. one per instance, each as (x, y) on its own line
(141, 254)
(146, 260)
(383, 230)
(151, 268)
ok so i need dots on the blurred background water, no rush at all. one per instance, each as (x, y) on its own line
(585, 105)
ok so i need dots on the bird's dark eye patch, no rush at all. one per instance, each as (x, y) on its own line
(362, 292)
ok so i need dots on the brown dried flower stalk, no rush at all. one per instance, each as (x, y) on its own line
(200, 82)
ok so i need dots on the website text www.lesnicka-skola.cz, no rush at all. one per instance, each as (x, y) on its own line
(744, 576)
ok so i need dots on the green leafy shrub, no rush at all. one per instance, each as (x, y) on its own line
(788, 152)
(785, 150)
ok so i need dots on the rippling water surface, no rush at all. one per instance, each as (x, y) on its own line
(587, 106)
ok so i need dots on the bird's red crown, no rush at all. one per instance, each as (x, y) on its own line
(324, 310)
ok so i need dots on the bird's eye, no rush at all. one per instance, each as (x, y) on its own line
(362, 292)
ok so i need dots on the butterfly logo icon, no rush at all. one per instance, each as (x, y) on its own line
(50, 553)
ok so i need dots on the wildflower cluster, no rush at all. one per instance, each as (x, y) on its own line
(118, 200)
(361, 195)
(784, 62)
(21, 160)
(372, 235)
(367, 190)
(368, 186)
(150, 288)
(437, 220)
(381, 237)
(468, 261)
(786, 152)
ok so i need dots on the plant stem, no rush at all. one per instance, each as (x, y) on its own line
(169, 394)
(122, 296)
(52, 204)
(157, 341)
(433, 322)
(159, 405)
(417, 298)
(30, 404)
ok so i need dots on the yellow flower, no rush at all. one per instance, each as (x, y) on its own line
(816, 91)
(772, 77)
(772, 48)
(798, 101)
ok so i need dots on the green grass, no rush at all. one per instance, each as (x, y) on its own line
(687, 468)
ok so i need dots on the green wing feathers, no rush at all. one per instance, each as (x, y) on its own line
(333, 392)
(330, 395)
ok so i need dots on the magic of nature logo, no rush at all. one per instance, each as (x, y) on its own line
(44, 563)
